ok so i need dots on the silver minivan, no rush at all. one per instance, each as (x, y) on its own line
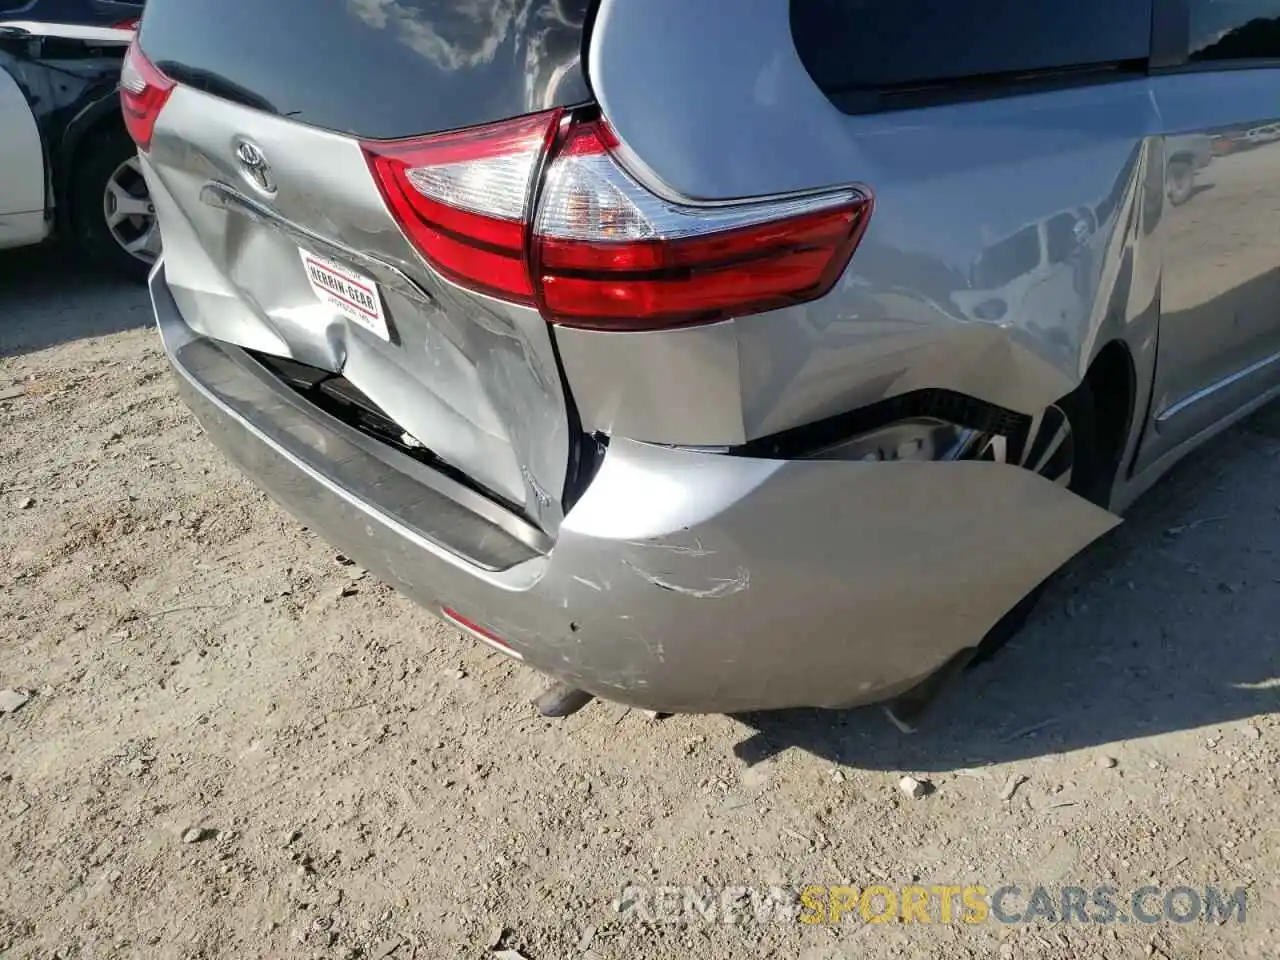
(714, 356)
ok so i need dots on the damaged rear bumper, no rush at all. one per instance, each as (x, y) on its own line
(681, 581)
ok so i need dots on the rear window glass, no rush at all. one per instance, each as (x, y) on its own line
(870, 44)
(375, 68)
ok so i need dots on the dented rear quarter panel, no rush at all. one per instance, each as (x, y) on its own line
(694, 582)
(950, 183)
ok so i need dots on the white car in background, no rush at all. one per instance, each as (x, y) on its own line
(67, 165)
(1267, 133)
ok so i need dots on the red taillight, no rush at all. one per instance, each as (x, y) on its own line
(612, 255)
(130, 24)
(603, 251)
(742, 271)
(144, 91)
(462, 198)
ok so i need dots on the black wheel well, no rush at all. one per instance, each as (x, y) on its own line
(94, 125)
(1112, 384)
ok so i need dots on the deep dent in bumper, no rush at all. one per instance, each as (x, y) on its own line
(689, 582)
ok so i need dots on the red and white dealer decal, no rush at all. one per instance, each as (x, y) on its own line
(353, 294)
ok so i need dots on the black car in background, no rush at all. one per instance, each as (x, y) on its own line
(67, 165)
(97, 13)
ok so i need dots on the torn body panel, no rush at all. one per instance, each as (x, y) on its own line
(800, 583)
(681, 581)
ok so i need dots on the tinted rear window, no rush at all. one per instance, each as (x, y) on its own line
(873, 44)
(375, 68)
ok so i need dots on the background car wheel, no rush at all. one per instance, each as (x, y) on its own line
(1180, 182)
(1064, 450)
(112, 217)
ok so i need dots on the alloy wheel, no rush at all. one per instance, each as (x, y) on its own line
(130, 215)
(1049, 452)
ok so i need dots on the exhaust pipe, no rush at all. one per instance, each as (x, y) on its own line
(908, 709)
(561, 700)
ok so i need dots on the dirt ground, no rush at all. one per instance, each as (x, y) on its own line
(358, 781)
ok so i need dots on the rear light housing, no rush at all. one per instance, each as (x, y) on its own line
(541, 211)
(129, 24)
(144, 91)
(462, 199)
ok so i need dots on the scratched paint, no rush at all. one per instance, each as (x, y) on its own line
(724, 587)
(697, 550)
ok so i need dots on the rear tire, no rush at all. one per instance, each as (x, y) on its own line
(110, 206)
(1088, 480)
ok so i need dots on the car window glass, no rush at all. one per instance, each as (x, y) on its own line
(865, 44)
(381, 69)
(1235, 29)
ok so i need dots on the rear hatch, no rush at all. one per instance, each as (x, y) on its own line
(412, 194)
(279, 237)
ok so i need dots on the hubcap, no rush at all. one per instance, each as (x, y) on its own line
(1050, 452)
(130, 215)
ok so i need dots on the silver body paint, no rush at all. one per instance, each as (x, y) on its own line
(689, 579)
(681, 581)
(475, 375)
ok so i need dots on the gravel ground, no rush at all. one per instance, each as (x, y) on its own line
(239, 745)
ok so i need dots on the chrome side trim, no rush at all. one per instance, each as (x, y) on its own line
(1170, 412)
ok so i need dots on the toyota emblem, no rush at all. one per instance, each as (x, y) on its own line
(254, 167)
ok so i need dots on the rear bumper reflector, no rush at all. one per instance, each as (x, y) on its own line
(483, 634)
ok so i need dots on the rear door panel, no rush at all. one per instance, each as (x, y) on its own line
(1220, 290)
(474, 380)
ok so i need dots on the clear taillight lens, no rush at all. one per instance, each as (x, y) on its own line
(144, 91)
(603, 251)
(462, 197)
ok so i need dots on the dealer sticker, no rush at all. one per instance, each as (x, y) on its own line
(353, 294)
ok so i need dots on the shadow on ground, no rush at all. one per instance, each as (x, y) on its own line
(50, 295)
(1171, 623)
